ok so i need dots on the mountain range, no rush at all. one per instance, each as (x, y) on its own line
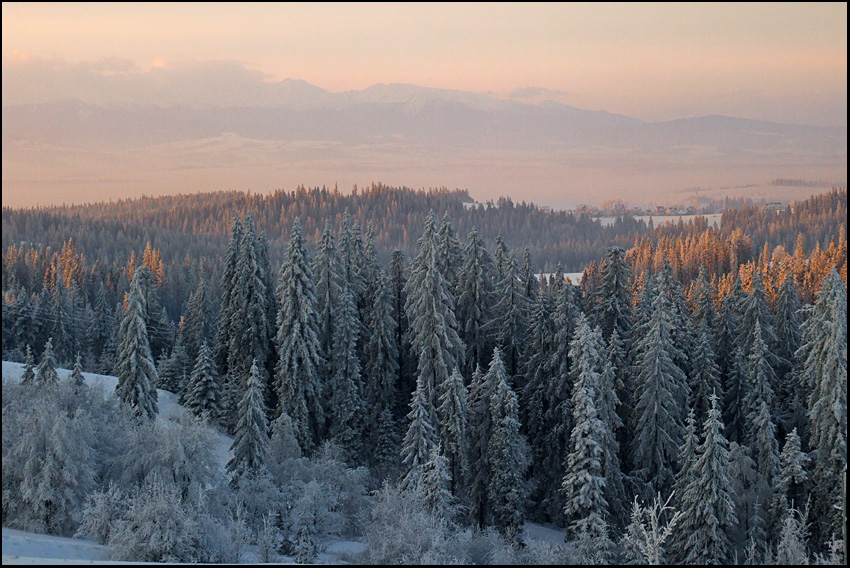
(390, 128)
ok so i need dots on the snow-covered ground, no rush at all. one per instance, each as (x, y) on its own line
(21, 547)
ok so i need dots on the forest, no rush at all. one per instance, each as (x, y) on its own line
(392, 368)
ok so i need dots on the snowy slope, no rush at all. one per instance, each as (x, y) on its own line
(21, 547)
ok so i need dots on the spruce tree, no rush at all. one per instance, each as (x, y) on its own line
(584, 480)
(792, 482)
(28, 376)
(327, 278)
(300, 358)
(658, 413)
(449, 257)
(507, 457)
(454, 434)
(406, 362)
(345, 404)
(823, 368)
(251, 441)
(708, 512)
(510, 316)
(250, 330)
(382, 358)
(203, 393)
(476, 302)
(705, 375)
(614, 307)
(135, 368)
(420, 440)
(76, 377)
(539, 349)
(481, 393)
(433, 326)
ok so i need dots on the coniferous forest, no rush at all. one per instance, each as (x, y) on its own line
(397, 368)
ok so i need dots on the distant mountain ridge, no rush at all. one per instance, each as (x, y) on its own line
(403, 114)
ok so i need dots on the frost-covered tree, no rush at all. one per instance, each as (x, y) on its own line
(449, 256)
(433, 327)
(251, 441)
(481, 391)
(76, 376)
(645, 539)
(755, 311)
(476, 302)
(507, 457)
(791, 393)
(327, 278)
(534, 402)
(135, 368)
(558, 417)
(419, 441)
(203, 393)
(434, 482)
(705, 374)
(584, 479)
(345, 403)
(530, 284)
(792, 482)
(704, 310)
(792, 549)
(28, 375)
(614, 307)
(406, 362)
(454, 433)
(250, 331)
(300, 357)
(823, 367)
(708, 512)
(511, 312)
(45, 373)
(197, 325)
(382, 358)
(657, 413)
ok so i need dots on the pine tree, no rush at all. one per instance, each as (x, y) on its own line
(135, 368)
(421, 438)
(197, 323)
(705, 376)
(434, 484)
(203, 393)
(791, 484)
(406, 363)
(510, 315)
(708, 512)
(823, 368)
(345, 404)
(507, 456)
(433, 325)
(28, 376)
(614, 307)
(449, 257)
(558, 417)
(228, 284)
(539, 350)
(584, 482)
(791, 394)
(481, 391)
(382, 358)
(250, 330)
(530, 284)
(476, 302)
(251, 441)
(657, 413)
(326, 271)
(76, 376)
(454, 433)
(300, 357)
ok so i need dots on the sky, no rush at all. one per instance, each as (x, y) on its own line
(647, 60)
(779, 62)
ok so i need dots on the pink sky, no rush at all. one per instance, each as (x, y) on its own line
(651, 61)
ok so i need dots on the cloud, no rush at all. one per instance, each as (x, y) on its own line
(28, 80)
